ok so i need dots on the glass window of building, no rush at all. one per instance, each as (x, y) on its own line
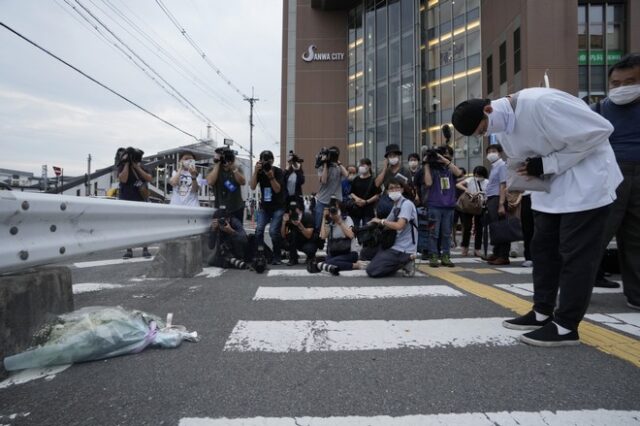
(582, 27)
(489, 71)
(615, 32)
(595, 26)
(503, 62)
(516, 51)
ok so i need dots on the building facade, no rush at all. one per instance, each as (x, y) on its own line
(362, 74)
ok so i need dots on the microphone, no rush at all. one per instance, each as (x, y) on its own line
(446, 132)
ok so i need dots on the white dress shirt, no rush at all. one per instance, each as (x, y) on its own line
(573, 142)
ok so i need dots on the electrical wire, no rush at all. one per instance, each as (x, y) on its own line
(201, 52)
(104, 86)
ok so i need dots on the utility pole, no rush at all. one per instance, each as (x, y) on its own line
(88, 183)
(252, 100)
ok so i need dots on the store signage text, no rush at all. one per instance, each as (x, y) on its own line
(311, 55)
(596, 57)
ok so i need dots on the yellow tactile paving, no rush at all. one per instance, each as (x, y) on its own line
(603, 339)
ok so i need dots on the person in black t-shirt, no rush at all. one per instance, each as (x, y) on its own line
(364, 194)
(132, 177)
(298, 233)
(271, 181)
(226, 180)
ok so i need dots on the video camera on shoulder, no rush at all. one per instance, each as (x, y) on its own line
(327, 156)
(224, 155)
(430, 156)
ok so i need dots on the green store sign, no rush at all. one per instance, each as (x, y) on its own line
(596, 57)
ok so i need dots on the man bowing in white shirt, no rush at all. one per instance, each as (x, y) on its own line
(565, 142)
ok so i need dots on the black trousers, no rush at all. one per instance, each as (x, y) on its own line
(468, 221)
(526, 218)
(499, 250)
(566, 251)
(296, 241)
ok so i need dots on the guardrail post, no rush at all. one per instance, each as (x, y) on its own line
(178, 259)
(27, 301)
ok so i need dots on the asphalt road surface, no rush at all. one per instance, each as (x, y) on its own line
(290, 348)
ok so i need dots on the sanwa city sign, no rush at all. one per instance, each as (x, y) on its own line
(311, 55)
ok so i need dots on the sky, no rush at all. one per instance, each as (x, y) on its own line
(50, 114)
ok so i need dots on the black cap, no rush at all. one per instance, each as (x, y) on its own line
(392, 149)
(468, 114)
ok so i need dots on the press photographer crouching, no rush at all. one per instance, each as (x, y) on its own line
(298, 234)
(399, 252)
(337, 230)
(227, 240)
(227, 179)
(134, 180)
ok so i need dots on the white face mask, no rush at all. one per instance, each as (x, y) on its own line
(395, 195)
(413, 164)
(492, 157)
(394, 161)
(624, 94)
(363, 170)
(502, 119)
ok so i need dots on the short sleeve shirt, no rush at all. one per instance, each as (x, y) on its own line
(129, 190)
(497, 176)
(339, 233)
(271, 200)
(333, 186)
(405, 242)
(182, 194)
(228, 191)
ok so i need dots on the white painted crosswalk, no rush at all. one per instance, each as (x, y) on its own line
(310, 336)
(503, 418)
(341, 293)
(526, 289)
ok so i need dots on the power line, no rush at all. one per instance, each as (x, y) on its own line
(180, 95)
(127, 55)
(168, 58)
(201, 52)
(94, 80)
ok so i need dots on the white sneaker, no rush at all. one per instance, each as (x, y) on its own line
(527, 264)
(409, 268)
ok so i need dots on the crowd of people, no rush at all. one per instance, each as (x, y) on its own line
(569, 172)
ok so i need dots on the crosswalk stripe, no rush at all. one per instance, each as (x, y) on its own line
(523, 418)
(519, 270)
(108, 262)
(91, 287)
(380, 292)
(627, 322)
(605, 340)
(311, 336)
(526, 289)
(304, 273)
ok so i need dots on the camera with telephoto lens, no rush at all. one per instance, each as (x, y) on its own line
(133, 155)
(292, 211)
(260, 262)
(222, 222)
(327, 156)
(333, 206)
(224, 155)
(293, 158)
(266, 158)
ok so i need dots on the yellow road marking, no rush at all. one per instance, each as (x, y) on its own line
(605, 340)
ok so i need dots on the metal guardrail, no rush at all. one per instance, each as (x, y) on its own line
(36, 228)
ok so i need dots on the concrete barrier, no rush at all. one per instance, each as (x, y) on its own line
(28, 300)
(178, 259)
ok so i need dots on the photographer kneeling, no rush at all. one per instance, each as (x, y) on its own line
(228, 240)
(297, 234)
(402, 220)
(337, 229)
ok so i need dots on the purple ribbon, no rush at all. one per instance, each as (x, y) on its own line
(148, 338)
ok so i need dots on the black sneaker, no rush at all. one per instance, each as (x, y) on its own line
(276, 262)
(312, 268)
(334, 270)
(145, 253)
(526, 322)
(292, 262)
(128, 254)
(605, 283)
(548, 336)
